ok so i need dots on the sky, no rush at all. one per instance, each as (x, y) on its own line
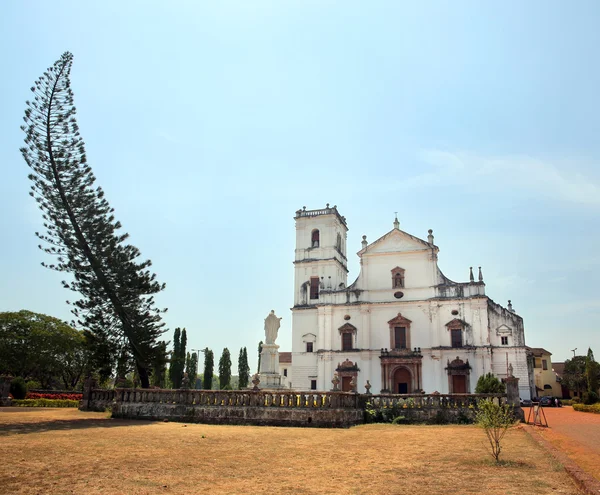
(208, 124)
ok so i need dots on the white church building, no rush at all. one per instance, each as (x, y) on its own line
(401, 325)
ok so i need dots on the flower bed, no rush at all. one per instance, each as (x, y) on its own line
(61, 396)
(45, 403)
(594, 408)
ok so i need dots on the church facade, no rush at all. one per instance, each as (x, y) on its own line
(402, 325)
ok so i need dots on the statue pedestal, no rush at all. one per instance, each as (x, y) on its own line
(269, 367)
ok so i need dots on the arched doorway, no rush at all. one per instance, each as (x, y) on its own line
(402, 381)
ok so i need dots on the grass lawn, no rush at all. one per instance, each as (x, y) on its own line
(63, 451)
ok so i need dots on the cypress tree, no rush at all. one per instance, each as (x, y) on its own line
(224, 369)
(116, 289)
(159, 366)
(260, 344)
(209, 366)
(243, 369)
(191, 368)
(173, 366)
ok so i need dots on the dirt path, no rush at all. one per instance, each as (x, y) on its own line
(577, 434)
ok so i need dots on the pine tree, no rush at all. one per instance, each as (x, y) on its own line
(224, 369)
(243, 369)
(116, 289)
(209, 367)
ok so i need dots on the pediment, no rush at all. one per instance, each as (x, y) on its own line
(457, 323)
(309, 337)
(503, 330)
(347, 327)
(399, 321)
(396, 241)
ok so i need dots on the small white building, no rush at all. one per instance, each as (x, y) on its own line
(401, 325)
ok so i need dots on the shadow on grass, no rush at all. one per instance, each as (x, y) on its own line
(69, 424)
(506, 464)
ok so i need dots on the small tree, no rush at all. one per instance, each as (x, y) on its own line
(209, 368)
(574, 377)
(489, 384)
(495, 419)
(224, 369)
(243, 369)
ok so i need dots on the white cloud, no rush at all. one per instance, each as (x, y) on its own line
(542, 178)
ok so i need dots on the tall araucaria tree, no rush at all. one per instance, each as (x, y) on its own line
(116, 288)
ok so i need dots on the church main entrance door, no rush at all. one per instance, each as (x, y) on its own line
(346, 387)
(402, 381)
(459, 384)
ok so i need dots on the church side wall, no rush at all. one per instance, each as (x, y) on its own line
(304, 364)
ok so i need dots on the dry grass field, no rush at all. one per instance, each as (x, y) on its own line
(64, 451)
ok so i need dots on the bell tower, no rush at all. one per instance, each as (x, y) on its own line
(320, 260)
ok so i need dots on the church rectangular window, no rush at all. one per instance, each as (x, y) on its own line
(346, 341)
(504, 340)
(313, 384)
(309, 347)
(456, 337)
(314, 287)
(544, 364)
(399, 337)
(284, 371)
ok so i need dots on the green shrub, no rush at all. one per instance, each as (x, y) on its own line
(595, 408)
(45, 403)
(33, 385)
(489, 384)
(590, 398)
(570, 402)
(18, 388)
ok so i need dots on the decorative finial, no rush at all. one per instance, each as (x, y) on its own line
(327, 206)
(364, 241)
(471, 277)
(396, 222)
(510, 308)
(304, 208)
(480, 275)
(430, 236)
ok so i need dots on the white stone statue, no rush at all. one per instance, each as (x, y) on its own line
(272, 324)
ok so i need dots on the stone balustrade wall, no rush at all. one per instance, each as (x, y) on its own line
(276, 408)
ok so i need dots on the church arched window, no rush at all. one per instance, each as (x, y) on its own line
(314, 238)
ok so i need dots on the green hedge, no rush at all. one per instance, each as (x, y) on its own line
(45, 403)
(570, 402)
(594, 408)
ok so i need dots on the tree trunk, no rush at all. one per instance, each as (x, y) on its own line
(143, 372)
